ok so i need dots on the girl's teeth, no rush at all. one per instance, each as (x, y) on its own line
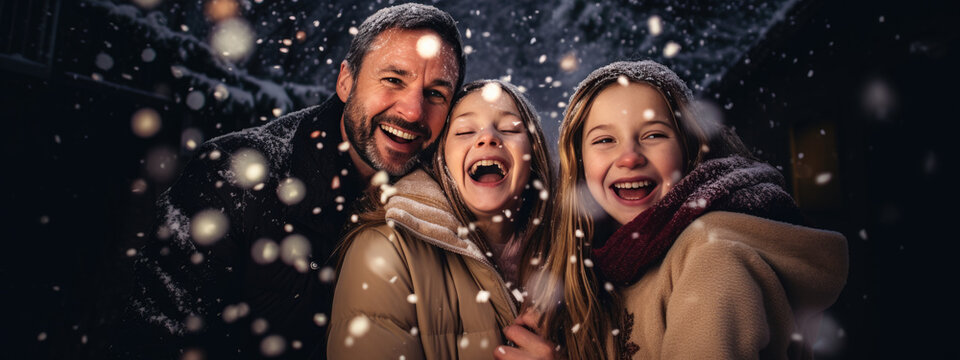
(473, 169)
(632, 185)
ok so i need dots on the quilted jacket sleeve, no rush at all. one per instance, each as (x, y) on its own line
(374, 315)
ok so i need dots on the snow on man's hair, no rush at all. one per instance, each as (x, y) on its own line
(408, 17)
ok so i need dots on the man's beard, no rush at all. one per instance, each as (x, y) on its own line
(360, 132)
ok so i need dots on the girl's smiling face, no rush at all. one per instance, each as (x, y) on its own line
(487, 151)
(631, 151)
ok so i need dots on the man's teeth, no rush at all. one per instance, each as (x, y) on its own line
(398, 133)
(633, 185)
(473, 169)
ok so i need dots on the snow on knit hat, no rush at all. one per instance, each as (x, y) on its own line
(647, 71)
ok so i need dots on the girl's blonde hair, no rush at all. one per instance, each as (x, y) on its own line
(587, 306)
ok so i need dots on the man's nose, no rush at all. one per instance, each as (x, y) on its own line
(410, 105)
(631, 157)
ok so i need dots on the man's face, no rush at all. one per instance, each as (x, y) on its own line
(397, 103)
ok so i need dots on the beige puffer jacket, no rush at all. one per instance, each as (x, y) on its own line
(735, 286)
(415, 290)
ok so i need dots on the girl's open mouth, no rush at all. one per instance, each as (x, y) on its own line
(633, 190)
(488, 171)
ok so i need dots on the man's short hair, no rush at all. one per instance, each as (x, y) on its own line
(408, 17)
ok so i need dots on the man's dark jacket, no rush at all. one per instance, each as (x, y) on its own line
(213, 297)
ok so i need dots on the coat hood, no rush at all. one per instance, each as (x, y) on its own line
(810, 263)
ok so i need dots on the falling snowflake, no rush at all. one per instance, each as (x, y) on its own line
(359, 326)
(380, 178)
(491, 92)
(265, 251)
(517, 295)
(232, 39)
(483, 296)
(823, 178)
(320, 319)
(387, 191)
(569, 62)
(428, 46)
(671, 49)
(291, 191)
(208, 226)
(145, 122)
(655, 25)
(249, 166)
(273, 346)
(294, 250)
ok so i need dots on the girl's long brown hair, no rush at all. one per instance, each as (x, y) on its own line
(536, 214)
(566, 278)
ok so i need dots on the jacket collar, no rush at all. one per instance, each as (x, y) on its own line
(421, 207)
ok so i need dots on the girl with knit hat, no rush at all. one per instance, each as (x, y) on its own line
(671, 240)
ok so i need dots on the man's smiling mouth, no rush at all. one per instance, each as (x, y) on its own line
(398, 135)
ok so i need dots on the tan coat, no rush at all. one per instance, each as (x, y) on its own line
(734, 286)
(415, 285)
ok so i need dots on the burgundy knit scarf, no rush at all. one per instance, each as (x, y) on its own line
(729, 184)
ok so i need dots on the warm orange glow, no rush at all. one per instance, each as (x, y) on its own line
(217, 10)
(301, 35)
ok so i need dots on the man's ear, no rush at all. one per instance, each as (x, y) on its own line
(344, 81)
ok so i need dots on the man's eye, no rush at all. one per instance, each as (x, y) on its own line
(436, 95)
(393, 80)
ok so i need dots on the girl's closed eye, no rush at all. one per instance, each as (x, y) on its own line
(602, 140)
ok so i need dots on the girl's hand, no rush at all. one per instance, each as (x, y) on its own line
(524, 332)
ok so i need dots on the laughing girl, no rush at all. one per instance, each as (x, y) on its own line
(434, 271)
(672, 241)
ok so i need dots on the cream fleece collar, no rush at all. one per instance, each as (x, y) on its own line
(421, 207)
